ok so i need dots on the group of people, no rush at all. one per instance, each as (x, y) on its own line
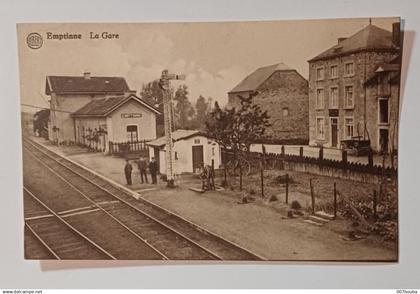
(142, 166)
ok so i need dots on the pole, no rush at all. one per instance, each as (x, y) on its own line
(335, 200)
(312, 196)
(240, 175)
(262, 183)
(375, 202)
(287, 188)
(168, 134)
(168, 109)
(213, 187)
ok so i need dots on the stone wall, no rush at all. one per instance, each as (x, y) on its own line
(285, 98)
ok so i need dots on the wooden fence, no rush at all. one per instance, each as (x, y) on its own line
(127, 148)
(369, 172)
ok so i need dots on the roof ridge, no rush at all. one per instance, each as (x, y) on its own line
(368, 38)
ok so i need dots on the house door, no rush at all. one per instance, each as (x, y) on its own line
(197, 157)
(334, 132)
(384, 140)
(132, 133)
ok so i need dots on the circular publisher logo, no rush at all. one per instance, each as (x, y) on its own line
(34, 41)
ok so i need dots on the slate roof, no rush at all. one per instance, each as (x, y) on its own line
(104, 106)
(255, 79)
(80, 84)
(369, 38)
(176, 136)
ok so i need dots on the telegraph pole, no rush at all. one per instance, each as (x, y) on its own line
(167, 113)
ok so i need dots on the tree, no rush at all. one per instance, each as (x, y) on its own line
(152, 94)
(41, 119)
(236, 129)
(202, 108)
(183, 111)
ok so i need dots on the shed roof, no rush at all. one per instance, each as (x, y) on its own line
(104, 106)
(82, 84)
(369, 38)
(256, 78)
(176, 136)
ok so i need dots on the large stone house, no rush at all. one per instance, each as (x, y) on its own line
(343, 105)
(283, 93)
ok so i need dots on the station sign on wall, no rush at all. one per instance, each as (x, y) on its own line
(130, 115)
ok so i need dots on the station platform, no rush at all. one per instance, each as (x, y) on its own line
(255, 226)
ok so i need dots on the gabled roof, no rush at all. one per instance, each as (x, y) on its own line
(369, 38)
(393, 69)
(86, 85)
(176, 136)
(104, 106)
(259, 76)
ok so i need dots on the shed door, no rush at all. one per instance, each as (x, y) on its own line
(197, 157)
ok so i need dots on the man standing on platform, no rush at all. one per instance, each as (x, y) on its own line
(153, 167)
(142, 166)
(127, 170)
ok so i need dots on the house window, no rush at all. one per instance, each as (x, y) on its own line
(132, 133)
(285, 111)
(349, 69)
(349, 127)
(320, 73)
(320, 128)
(334, 97)
(349, 98)
(213, 151)
(333, 71)
(319, 98)
(176, 155)
(196, 141)
(383, 111)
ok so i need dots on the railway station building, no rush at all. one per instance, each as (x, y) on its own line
(97, 111)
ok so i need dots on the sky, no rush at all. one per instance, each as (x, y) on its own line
(214, 56)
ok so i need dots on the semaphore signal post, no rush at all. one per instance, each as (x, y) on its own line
(167, 113)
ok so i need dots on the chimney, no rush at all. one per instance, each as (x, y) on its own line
(339, 40)
(396, 34)
(86, 75)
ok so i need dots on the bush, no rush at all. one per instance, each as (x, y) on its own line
(295, 205)
(252, 191)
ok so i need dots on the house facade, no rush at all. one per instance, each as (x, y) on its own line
(191, 150)
(342, 105)
(70, 93)
(283, 93)
(118, 119)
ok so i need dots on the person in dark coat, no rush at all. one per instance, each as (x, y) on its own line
(127, 170)
(153, 168)
(142, 166)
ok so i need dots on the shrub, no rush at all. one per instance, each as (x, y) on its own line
(295, 205)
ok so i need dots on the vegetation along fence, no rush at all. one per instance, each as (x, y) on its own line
(368, 173)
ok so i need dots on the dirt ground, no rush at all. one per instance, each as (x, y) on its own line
(261, 225)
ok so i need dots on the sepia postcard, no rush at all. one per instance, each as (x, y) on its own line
(225, 141)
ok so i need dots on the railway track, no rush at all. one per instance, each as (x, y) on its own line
(59, 239)
(168, 233)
